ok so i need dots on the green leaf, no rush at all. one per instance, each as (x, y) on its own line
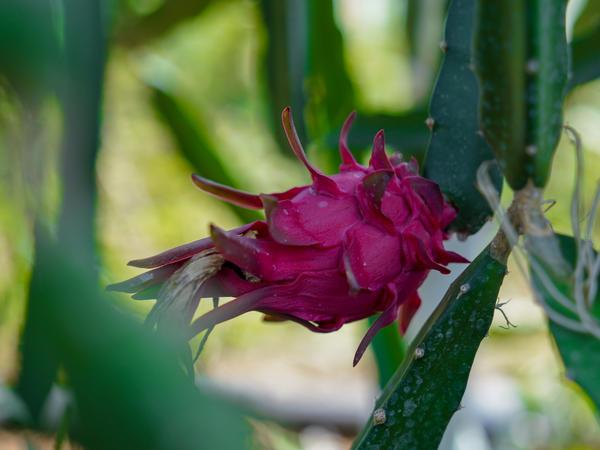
(500, 57)
(584, 52)
(29, 44)
(424, 29)
(389, 349)
(194, 143)
(581, 356)
(39, 360)
(456, 149)
(81, 78)
(580, 352)
(135, 30)
(426, 391)
(521, 61)
(285, 63)
(330, 90)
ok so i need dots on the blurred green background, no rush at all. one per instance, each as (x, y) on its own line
(198, 86)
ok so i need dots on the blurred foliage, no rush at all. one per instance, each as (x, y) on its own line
(331, 93)
(285, 23)
(138, 22)
(79, 96)
(424, 33)
(585, 48)
(123, 378)
(456, 149)
(194, 143)
(30, 60)
(589, 18)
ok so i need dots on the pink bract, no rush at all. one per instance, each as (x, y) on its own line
(341, 249)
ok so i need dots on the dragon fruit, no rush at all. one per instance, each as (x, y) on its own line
(345, 247)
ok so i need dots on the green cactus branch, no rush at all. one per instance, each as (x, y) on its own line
(417, 404)
(81, 92)
(521, 60)
(456, 149)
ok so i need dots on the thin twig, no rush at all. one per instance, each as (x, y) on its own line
(488, 190)
(582, 303)
(550, 202)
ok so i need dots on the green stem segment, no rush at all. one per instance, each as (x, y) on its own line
(285, 66)
(456, 149)
(426, 391)
(81, 94)
(521, 61)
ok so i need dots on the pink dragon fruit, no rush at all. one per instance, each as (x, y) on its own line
(341, 249)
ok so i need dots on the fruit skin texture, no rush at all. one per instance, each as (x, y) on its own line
(341, 249)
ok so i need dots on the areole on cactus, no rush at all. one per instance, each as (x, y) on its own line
(345, 247)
